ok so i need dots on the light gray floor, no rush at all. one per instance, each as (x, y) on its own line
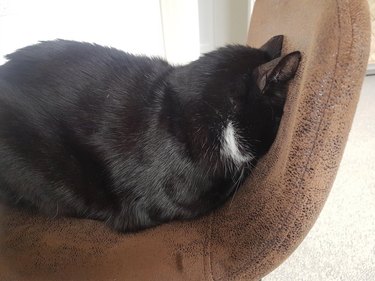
(341, 245)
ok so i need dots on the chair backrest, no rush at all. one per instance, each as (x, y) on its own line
(283, 199)
(275, 208)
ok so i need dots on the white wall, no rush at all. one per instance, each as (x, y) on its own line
(134, 26)
(181, 30)
(176, 29)
(223, 22)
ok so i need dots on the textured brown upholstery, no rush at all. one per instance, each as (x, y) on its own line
(273, 211)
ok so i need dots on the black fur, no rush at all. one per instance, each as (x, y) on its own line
(93, 132)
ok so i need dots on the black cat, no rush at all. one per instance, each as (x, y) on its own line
(93, 132)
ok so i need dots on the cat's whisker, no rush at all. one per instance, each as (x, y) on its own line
(237, 184)
(57, 211)
(233, 196)
(108, 219)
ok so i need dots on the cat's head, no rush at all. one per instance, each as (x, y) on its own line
(234, 99)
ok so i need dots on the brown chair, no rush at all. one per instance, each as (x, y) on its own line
(277, 205)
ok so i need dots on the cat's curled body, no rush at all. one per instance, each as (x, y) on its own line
(93, 132)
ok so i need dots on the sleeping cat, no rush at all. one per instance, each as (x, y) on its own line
(93, 132)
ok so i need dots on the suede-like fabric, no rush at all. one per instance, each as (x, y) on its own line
(274, 209)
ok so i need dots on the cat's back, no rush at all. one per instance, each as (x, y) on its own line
(66, 77)
(78, 87)
(63, 106)
(74, 62)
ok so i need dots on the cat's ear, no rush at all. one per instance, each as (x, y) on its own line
(273, 46)
(277, 71)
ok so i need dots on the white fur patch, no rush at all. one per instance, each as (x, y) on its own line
(230, 147)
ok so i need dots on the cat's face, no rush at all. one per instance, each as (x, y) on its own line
(243, 91)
